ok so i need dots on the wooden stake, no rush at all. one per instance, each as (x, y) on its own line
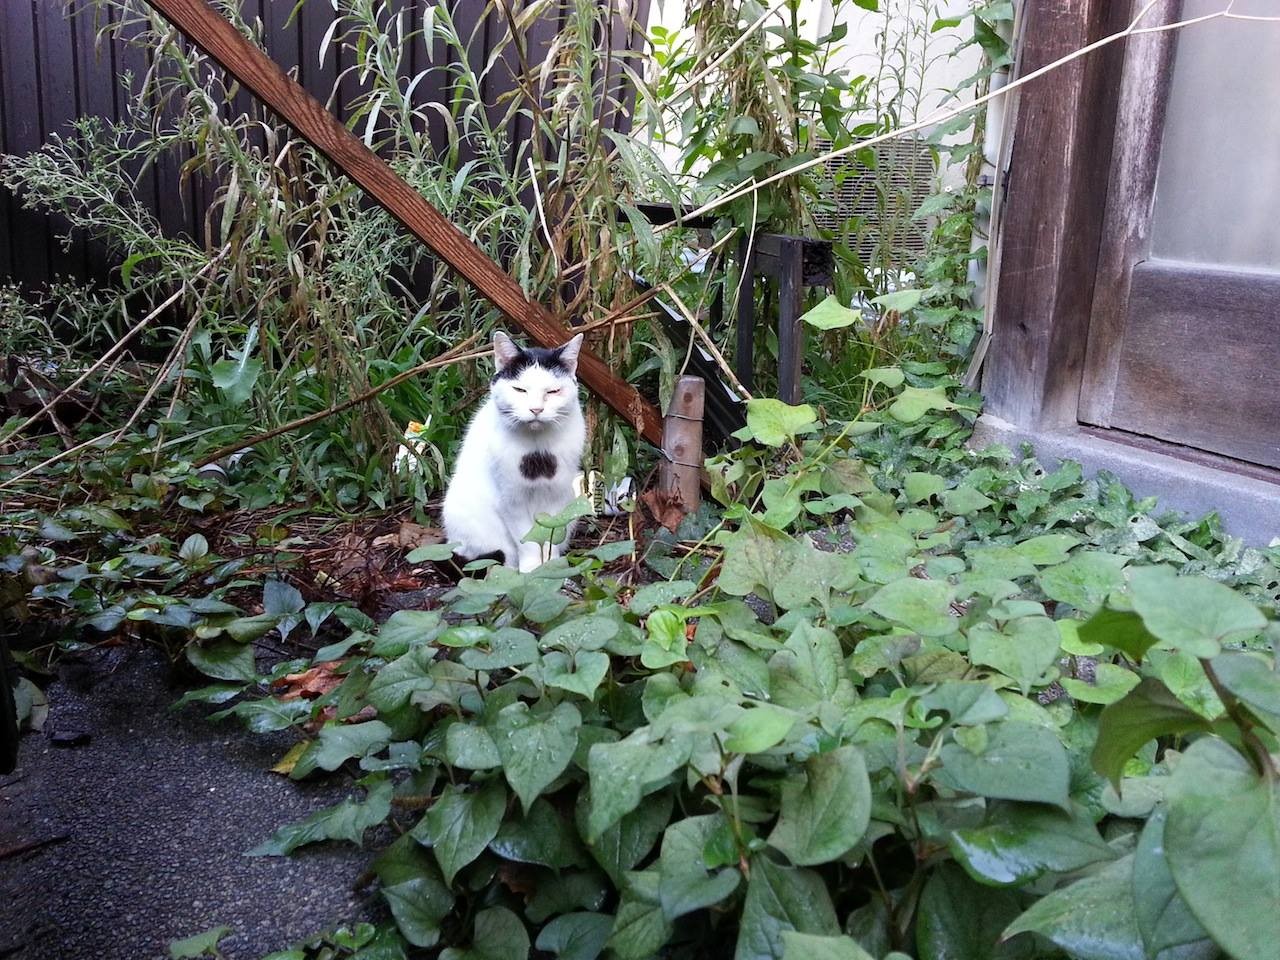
(680, 471)
(215, 35)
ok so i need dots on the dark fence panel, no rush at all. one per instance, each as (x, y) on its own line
(54, 67)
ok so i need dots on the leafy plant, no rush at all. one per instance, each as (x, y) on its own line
(746, 91)
(839, 753)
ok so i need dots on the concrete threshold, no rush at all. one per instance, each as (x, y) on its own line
(1249, 505)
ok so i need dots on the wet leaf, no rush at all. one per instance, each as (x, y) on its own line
(686, 883)
(581, 674)
(1085, 580)
(780, 899)
(347, 820)
(498, 935)
(542, 836)
(923, 606)
(759, 729)
(419, 900)
(1092, 918)
(1148, 711)
(535, 748)
(808, 946)
(1020, 842)
(461, 823)
(224, 661)
(339, 742)
(959, 920)
(576, 936)
(1192, 614)
(1164, 919)
(1020, 762)
(1023, 651)
(624, 772)
(395, 684)
(1222, 843)
(826, 812)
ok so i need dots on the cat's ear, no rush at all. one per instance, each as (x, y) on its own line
(505, 350)
(569, 354)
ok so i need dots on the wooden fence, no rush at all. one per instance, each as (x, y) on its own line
(54, 68)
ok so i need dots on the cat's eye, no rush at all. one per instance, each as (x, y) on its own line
(553, 392)
(519, 389)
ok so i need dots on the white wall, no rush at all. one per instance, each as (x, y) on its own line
(858, 53)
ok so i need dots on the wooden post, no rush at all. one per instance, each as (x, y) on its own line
(216, 36)
(680, 471)
(1052, 221)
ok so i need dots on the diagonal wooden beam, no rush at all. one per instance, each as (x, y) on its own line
(217, 37)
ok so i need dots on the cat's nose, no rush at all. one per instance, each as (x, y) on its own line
(536, 410)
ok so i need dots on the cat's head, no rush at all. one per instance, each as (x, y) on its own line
(534, 387)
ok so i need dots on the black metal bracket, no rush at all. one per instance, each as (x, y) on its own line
(795, 264)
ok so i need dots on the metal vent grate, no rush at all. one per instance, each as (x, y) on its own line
(872, 208)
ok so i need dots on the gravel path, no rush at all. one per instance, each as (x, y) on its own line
(157, 810)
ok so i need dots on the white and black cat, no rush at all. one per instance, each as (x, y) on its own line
(520, 455)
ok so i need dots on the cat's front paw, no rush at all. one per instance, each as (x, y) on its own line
(531, 557)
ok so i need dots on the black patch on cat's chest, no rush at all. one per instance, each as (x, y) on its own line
(538, 465)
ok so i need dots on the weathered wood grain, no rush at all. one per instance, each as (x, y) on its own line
(6, 258)
(1057, 183)
(95, 81)
(680, 470)
(284, 96)
(57, 108)
(23, 133)
(1196, 360)
(1126, 232)
(38, 69)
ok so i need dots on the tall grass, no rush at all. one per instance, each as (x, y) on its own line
(736, 111)
(316, 296)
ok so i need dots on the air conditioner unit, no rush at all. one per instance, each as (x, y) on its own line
(872, 207)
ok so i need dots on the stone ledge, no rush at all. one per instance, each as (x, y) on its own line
(1249, 506)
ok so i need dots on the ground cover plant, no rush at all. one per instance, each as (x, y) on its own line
(883, 696)
(1015, 716)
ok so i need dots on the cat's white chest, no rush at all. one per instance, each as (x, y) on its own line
(505, 477)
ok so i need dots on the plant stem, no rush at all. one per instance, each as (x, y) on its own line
(1259, 754)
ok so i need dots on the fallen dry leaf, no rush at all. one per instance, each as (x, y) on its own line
(410, 536)
(314, 725)
(350, 553)
(518, 879)
(665, 507)
(310, 684)
(290, 759)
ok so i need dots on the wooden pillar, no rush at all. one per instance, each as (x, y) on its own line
(680, 470)
(1059, 169)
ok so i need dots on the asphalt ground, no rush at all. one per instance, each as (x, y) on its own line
(132, 832)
